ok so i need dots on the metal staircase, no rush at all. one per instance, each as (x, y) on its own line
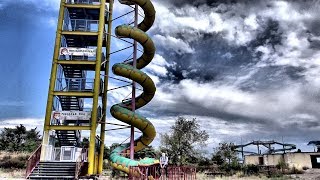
(81, 29)
(54, 170)
(68, 138)
(70, 103)
(75, 80)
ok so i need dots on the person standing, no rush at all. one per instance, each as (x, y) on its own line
(164, 163)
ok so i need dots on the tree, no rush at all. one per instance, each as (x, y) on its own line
(226, 158)
(183, 141)
(19, 139)
(148, 151)
(224, 153)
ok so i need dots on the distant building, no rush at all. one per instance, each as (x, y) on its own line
(298, 160)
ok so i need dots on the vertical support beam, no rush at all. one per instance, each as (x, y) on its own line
(133, 105)
(54, 68)
(96, 91)
(105, 89)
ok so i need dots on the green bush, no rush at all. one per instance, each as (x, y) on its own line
(250, 169)
(305, 168)
(6, 157)
(106, 165)
(294, 170)
(19, 139)
(282, 164)
(8, 162)
(230, 169)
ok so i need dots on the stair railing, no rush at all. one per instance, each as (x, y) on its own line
(80, 161)
(33, 161)
(95, 2)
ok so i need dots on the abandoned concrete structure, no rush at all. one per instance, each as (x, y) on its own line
(298, 160)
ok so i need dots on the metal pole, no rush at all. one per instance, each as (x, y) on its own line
(92, 169)
(45, 138)
(133, 102)
(106, 81)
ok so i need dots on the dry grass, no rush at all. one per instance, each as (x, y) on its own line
(13, 154)
(12, 174)
(202, 176)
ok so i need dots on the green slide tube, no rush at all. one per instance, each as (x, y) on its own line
(122, 111)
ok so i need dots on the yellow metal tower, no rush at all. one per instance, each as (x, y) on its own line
(78, 84)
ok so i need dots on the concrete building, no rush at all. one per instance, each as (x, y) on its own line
(293, 159)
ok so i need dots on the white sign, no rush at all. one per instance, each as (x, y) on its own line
(58, 117)
(77, 51)
(318, 159)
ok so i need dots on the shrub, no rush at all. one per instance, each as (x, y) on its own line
(294, 170)
(282, 164)
(106, 165)
(250, 169)
(6, 157)
(8, 162)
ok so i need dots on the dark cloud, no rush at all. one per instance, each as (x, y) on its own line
(180, 3)
(22, 14)
(213, 59)
(262, 55)
(270, 35)
(185, 107)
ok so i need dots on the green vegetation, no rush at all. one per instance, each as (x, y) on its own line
(184, 142)
(15, 145)
(13, 162)
(19, 139)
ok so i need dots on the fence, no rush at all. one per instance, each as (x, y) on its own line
(154, 172)
(33, 160)
(94, 2)
(86, 25)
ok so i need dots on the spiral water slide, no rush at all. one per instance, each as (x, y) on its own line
(122, 111)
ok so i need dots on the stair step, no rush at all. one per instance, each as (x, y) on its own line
(70, 102)
(66, 135)
(53, 173)
(56, 167)
(54, 170)
(57, 164)
(66, 132)
(69, 109)
(51, 177)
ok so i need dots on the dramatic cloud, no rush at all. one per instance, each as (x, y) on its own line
(250, 65)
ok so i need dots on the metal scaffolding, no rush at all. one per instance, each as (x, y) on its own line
(82, 43)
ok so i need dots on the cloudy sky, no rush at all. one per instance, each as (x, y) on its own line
(246, 70)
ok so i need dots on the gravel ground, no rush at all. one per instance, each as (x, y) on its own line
(310, 174)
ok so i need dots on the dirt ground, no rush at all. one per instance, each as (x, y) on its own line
(310, 174)
(12, 174)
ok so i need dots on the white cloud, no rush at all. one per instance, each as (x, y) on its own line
(52, 22)
(270, 105)
(173, 44)
(29, 123)
(51, 4)
(157, 66)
